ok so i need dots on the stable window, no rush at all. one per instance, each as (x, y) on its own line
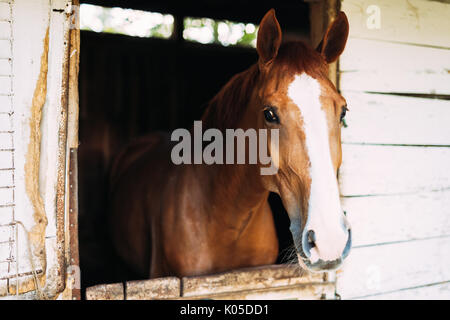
(135, 23)
(138, 70)
(131, 85)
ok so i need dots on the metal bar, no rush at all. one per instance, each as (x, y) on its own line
(23, 274)
(61, 178)
(73, 222)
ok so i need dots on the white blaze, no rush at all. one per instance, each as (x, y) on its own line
(325, 215)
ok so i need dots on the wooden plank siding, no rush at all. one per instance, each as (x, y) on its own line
(396, 120)
(374, 56)
(396, 82)
(408, 53)
(390, 267)
(398, 218)
(387, 170)
(437, 291)
(419, 22)
(395, 176)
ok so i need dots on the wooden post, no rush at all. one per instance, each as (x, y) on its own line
(177, 37)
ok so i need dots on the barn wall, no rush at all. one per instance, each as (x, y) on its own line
(33, 73)
(6, 143)
(395, 177)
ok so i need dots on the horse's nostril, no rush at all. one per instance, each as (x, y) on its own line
(308, 242)
(311, 239)
(348, 245)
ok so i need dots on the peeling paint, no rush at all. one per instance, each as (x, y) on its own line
(37, 233)
(72, 126)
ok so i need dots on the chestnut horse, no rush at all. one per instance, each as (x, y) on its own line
(194, 219)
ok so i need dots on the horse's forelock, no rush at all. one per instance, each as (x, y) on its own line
(297, 58)
(228, 105)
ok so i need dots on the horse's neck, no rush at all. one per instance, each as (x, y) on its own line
(232, 189)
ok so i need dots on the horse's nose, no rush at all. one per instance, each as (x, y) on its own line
(335, 248)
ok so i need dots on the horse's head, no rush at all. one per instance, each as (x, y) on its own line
(293, 93)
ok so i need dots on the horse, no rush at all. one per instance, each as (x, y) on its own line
(181, 220)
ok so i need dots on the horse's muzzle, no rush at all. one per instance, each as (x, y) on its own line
(322, 265)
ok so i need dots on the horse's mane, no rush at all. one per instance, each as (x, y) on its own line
(229, 104)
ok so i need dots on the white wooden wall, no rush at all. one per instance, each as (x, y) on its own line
(33, 48)
(6, 144)
(395, 178)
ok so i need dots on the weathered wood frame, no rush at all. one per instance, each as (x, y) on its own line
(265, 282)
(46, 98)
(278, 280)
(321, 14)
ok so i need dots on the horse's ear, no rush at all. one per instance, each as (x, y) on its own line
(333, 43)
(269, 38)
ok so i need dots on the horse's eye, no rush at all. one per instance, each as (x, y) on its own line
(271, 115)
(343, 113)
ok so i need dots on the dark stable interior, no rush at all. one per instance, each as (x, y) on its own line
(132, 86)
